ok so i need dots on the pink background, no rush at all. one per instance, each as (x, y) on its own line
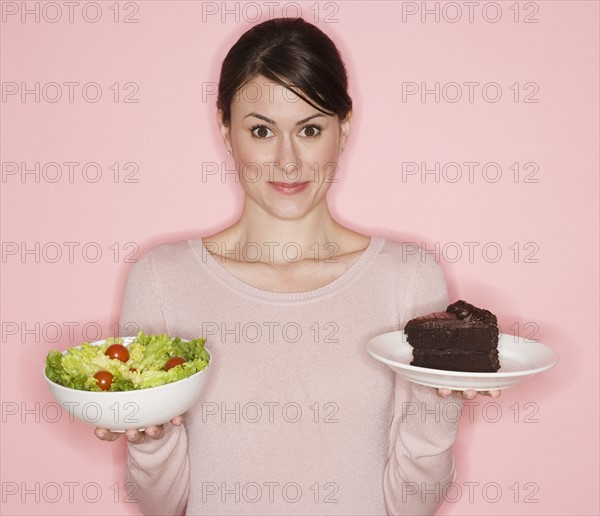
(542, 452)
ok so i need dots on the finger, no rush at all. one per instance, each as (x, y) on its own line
(443, 392)
(495, 394)
(106, 435)
(468, 394)
(177, 421)
(491, 394)
(134, 436)
(155, 432)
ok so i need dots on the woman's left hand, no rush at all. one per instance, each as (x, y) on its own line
(467, 394)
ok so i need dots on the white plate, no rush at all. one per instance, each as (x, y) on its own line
(519, 359)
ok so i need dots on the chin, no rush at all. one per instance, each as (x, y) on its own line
(291, 208)
(289, 214)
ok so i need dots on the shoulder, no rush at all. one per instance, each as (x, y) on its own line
(427, 290)
(409, 255)
(166, 257)
(414, 265)
(415, 274)
(167, 252)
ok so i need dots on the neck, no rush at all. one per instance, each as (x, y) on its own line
(275, 240)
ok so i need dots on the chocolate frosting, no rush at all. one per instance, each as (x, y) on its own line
(465, 311)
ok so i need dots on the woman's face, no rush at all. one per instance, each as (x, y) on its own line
(286, 151)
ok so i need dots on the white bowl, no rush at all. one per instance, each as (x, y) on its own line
(120, 411)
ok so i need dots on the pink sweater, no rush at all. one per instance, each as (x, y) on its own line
(296, 418)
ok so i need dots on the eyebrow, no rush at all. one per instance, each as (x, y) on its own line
(299, 122)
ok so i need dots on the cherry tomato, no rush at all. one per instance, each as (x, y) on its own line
(117, 351)
(104, 379)
(175, 361)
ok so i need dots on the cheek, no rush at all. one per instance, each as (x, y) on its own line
(251, 172)
(248, 151)
(249, 163)
(325, 162)
(328, 161)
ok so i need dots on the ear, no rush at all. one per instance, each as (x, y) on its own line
(224, 130)
(345, 130)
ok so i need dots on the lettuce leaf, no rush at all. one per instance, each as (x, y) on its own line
(148, 355)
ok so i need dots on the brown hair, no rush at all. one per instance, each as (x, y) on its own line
(293, 53)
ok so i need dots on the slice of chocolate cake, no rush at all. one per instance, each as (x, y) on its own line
(463, 338)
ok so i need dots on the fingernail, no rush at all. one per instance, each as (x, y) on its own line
(151, 433)
(101, 434)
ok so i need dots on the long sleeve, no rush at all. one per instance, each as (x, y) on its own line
(142, 304)
(420, 462)
(159, 470)
(231, 452)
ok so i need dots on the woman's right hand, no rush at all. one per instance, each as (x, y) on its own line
(135, 436)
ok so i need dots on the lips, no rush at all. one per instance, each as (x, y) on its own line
(289, 188)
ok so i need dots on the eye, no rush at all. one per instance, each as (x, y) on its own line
(261, 131)
(312, 131)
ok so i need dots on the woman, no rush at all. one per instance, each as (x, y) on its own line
(296, 418)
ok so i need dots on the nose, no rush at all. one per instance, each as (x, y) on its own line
(288, 160)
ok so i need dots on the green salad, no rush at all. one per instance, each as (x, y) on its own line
(149, 361)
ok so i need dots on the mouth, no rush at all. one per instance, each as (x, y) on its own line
(289, 188)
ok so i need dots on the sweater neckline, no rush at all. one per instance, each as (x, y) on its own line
(209, 262)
